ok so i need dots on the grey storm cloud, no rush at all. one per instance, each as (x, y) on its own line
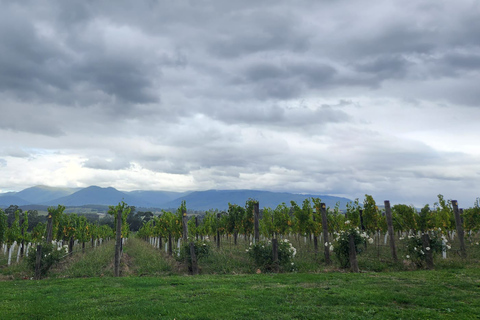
(303, 96)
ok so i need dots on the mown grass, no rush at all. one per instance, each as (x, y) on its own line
(445, 294)
(143, 259)
(94, 262)
(82, 286)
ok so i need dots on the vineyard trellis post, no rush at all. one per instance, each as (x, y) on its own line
(49, 228)
(196, 228)
(275, 254)
(193, 257)
(323, 209)
(460, 232)
(315, 239)
(256, 214)
(427, 250)
(362, 226)
(38, 262)
(118, 243)
(391, 234)
(185, 226)
(218, 230)
(352, 250)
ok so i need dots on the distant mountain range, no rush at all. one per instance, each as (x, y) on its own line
(197, 200)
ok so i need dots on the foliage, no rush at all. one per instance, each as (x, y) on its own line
(341, 246)
(55, 214)
(51, 255)
(471, 217)
(404, 218)
(13, 233)
(335, 219)
(443, 217)
(372, 219)
(235, 217)
(202, 250)
(262, 255)
(125, 210)
(303, 217)
(353, 213)
(415, 251)
(3, 226)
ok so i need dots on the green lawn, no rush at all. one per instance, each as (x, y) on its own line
(154, 285)
(444, 294)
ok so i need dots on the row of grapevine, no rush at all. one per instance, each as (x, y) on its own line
(306, 220)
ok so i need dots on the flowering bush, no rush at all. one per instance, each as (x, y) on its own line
(415, 250)
(202, 250)
(341, 246)
(262, 255)
(51, 255)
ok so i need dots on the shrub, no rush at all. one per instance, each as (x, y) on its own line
(51, 255)
(341, 247)
(415, 250)
(202, 250)
(262, 255)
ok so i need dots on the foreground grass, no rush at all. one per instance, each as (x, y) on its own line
(444, 294)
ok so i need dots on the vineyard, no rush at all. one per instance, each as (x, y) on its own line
(297, 238)
(289, 262)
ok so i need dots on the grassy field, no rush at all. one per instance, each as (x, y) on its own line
(442, 294)
(154, 286)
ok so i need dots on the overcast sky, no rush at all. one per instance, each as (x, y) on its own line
(325, 97)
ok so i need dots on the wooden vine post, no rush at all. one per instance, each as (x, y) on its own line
(256, 215)
(185, 226)
(391, 234)
(362, 226)
(118, 243)
(427, 252)
(352, 254)
(218, 230)
(38, 262)
(196, 228)
(315, 238)
(275, 254)
(49, 228)
(323, 209)
(38, 257)
(193, 257)
(460, 232)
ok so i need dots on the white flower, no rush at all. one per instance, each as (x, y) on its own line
(370, 240)
(408, 257)
(331, 248)
(292, 263)
(326, 244)
(427, 248)
(421, 251)
(347, 222)
(415, 248)
(448, 247)
(246, 250)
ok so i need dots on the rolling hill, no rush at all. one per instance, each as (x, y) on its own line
(219, 199)
(197, 200)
